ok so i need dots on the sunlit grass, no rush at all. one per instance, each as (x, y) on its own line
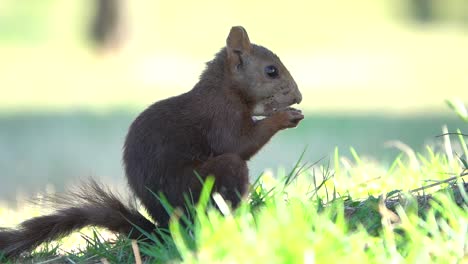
(331, 211)
(296, 224)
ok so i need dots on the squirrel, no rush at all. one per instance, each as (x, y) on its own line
(207, 131)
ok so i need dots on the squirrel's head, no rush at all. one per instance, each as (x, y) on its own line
(259, 74)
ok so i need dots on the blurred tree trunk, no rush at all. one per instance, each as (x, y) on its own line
(106, 31)
(422, 10)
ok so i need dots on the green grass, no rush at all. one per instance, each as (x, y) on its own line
(331, 210)
(325, 213)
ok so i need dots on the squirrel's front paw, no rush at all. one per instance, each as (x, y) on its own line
(288, 118)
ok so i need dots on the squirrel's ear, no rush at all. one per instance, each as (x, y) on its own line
(237, 44)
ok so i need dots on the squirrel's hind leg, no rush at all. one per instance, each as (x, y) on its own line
(231, 176)
(231, 181)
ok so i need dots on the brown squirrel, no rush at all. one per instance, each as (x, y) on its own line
(206, 131)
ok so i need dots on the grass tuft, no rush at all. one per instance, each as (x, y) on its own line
(345, 210)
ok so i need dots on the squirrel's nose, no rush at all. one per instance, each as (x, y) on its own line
(298, 98)
(297, 93)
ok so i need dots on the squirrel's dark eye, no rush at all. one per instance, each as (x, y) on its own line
(271, 71)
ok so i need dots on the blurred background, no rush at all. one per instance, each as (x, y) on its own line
(74, 74)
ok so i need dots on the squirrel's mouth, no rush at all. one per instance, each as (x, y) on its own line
(268, 108)
(277, 102)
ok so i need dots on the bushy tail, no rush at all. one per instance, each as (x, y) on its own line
(91, 206)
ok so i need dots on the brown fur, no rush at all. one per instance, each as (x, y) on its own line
(208, 130)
